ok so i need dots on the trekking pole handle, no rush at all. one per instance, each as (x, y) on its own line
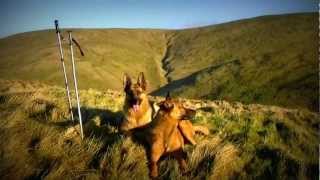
(57, 26)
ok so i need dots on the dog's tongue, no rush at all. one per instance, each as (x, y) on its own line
(135, 107)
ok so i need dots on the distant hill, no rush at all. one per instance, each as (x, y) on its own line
(267, 60)
(108, 55)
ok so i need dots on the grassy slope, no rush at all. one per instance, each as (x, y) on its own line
(37, 139)
(108, 55)
(269, 60)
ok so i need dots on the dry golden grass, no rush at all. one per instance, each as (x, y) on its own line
(38, 140)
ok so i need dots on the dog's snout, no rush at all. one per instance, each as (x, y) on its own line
(135, 101)
(189, 113)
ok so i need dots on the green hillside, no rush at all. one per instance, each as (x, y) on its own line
(39, 141)
(108, 54)
(267, 60)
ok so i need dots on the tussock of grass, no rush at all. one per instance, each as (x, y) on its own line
(226, 162)
(38, 140)
(125, 160)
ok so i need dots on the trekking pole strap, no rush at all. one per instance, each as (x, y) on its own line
(78, 45)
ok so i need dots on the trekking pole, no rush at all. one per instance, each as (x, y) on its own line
(75, 81)
(64, 68)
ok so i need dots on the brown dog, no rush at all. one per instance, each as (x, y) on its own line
(164, 136)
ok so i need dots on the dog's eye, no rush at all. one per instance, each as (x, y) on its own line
(130, 93)
(169, 105)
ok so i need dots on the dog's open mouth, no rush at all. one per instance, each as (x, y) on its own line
(136, 105)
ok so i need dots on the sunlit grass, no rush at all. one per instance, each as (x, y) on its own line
(38, 139)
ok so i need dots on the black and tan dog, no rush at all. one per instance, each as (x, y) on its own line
(138, 110)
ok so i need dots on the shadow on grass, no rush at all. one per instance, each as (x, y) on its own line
(99, 124)
(106, 128)
(191, 79)
(105, 117)
(64, 123)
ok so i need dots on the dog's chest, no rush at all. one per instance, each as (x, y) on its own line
(174, 141)
(137, 119)
(144, 117)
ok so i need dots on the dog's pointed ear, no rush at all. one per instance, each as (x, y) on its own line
(168, 96)
(142, 81)
(126, 81)
(165, 105)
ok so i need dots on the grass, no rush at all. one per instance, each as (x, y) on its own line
(38, 140)
(269, 60)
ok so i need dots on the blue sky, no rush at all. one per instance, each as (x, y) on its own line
(29, 15)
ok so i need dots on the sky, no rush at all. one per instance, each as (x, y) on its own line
(29, 15)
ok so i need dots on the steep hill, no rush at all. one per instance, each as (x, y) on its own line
(267, 60)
